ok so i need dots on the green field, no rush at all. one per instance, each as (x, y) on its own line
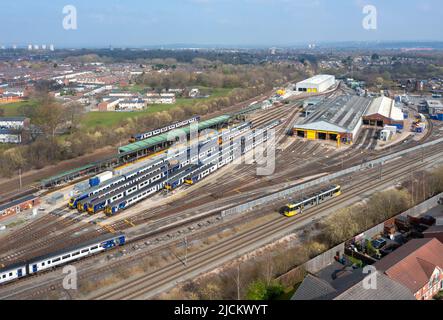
(107, 119)
(13, 109)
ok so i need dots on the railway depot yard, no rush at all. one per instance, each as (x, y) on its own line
(158, 219)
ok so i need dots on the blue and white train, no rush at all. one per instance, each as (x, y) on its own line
(192, 173)
(111, 184)
(55, 259)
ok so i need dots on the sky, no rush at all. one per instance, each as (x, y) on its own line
(138, 23)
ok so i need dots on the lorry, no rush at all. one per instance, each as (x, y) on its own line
(100, 178)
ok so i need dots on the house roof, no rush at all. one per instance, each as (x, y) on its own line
(328, 282)
(413, 263)
(313, 288)
(385, 289)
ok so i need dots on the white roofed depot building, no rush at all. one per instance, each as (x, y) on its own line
(382, 112)
(316, 84)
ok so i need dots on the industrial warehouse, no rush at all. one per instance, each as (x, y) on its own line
(317, 84)
(341, 118)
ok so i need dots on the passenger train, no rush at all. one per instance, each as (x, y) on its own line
(149, 134)
(81, 201)
(55, 259)
(297, 207)
(191, 172)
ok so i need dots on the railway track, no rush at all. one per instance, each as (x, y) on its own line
(365, 185)
(143, 285)
(144, 217)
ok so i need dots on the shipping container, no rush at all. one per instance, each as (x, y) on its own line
(100, 178)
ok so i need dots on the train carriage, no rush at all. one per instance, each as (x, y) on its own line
(126, 202)
(298, 206)
(13, 272)
(88, 248)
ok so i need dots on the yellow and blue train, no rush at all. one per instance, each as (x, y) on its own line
(297, 207)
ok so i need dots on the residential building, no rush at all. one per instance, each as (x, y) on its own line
(339, 282)
(131, 105)
(418, 265)
(160, 98)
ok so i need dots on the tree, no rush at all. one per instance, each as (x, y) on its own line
(375, 57)
(257, 291)
(48, 115)
(2, 112)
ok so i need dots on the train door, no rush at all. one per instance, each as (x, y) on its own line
(34, 268)
(20, 273)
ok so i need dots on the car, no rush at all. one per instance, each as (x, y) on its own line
(378, 243)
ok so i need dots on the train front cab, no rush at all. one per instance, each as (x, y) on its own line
(290, 210)
(72, 203)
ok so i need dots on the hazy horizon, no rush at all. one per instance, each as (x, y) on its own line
(218, 23)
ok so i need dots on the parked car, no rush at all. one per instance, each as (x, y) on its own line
(378, 243)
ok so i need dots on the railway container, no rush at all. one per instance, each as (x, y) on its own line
(100, 178)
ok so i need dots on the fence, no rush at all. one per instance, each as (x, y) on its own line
(290, 191)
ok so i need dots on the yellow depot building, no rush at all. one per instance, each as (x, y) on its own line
(339, 120)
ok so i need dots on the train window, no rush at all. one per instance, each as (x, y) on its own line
(10, 274)
(76, 253)
(56, 260)
(49, 262)
(85, 250)
(43, 264)
(66, 257)
(4, 276)
(94, 247)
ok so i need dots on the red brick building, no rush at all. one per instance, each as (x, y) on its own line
(17, 206)
(418, 265)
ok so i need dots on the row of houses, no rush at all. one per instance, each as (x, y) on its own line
(412, 272)
(129, 102)
(12, 128)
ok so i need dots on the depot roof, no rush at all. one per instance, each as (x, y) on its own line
(161, 138)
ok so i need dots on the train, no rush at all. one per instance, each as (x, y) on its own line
(95, 200)
(61, 257)
(297, 207)
(192, 172)
(80, 202)
(110, 185)
(149, 134)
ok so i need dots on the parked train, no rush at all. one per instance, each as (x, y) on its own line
(191, 172)
(111, 184)
(149, 134)
(297, 207)
(61, 257)
(140, 182)
(123, 181)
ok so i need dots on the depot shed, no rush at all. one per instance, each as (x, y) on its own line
(382, 112)
(338, 119)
